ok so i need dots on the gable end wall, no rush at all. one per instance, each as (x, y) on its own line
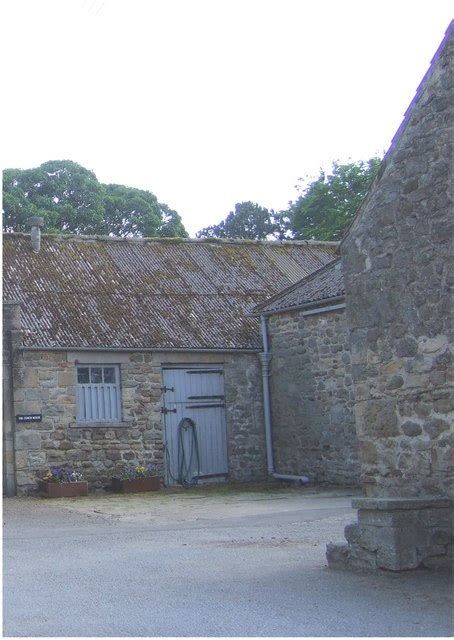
(398, 268)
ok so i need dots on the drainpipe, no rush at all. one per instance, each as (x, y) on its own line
(265, 358)
(11, 331)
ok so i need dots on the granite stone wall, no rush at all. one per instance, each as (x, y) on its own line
(312, 397)
(45, 382)
(398, 268)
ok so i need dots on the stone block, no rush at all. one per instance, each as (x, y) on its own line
(352, 532)
(444, 563)
(399, 556)
(435, 426)
(98, 466)
(337, 555)
(406, 347)
(411, 429)
(66, 379)
(441, 536)
(75, 455)
(21, 459)
(368, 452)
(370, 537)
(360, 559)
(113, 454)
(26, 440)
(375, 518)
(378, 418)
(36, 459)
(45, 374)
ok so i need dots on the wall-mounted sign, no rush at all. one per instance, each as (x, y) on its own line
(30, 417)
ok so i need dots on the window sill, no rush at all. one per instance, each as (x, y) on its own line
(101, 425)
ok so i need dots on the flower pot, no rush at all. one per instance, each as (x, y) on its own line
(63, 489)
(152, 483)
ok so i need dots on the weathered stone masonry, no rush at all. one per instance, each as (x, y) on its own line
(47, 382)
(398, 269)
(312, 397)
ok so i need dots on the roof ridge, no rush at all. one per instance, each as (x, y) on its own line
(141, 240)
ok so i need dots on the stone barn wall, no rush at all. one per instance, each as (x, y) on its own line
(398, 269)
(312, 397)
(46, 384)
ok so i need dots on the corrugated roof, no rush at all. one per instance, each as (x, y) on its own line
(319, 287)
(98, 292)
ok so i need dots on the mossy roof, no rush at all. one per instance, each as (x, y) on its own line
(317, 289)
(102, 292)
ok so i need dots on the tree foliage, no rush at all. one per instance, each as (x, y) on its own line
(323, 209)
(327, 205)
(134, 212)
(249, 221)
(72, 200)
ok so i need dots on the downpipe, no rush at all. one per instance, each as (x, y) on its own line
(265, 358)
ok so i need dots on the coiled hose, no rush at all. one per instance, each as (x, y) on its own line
(185, 458)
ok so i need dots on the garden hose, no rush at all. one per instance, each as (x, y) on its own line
(185, 476)
(168, 465)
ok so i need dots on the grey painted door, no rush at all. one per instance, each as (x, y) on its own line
(195, 392)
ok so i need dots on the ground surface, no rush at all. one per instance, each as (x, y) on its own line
(201, 563)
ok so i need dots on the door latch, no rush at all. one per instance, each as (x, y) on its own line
(165, 411)
(165, 389)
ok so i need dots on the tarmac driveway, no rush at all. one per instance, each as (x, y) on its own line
(203, 562)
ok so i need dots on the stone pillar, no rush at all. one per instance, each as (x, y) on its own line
(11, 340)
(396, 534)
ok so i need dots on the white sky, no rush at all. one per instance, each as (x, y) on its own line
(210, 102)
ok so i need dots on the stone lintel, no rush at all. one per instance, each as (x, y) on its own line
(391, 504)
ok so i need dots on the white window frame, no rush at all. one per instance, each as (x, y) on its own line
(98, 403)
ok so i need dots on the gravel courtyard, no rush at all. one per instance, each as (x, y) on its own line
(248, 561)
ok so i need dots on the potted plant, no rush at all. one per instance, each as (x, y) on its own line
(134, 479)
(62, 482)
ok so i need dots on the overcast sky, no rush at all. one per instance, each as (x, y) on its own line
(210, 102)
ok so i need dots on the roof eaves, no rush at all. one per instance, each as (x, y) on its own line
(314, 304)
(258, 309)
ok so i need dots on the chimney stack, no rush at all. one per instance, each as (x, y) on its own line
(35, 222)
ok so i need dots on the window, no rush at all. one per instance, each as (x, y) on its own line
(98, 393)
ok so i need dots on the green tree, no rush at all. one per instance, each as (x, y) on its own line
(328, 204)
(135, 212)
(68, 197)
(248, 221)
(71, 200)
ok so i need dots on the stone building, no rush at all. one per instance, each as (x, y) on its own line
(310, 381)
(109, 343)
(397, 261)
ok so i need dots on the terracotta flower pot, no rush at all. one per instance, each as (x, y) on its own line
(152, 483)
(63, 489)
